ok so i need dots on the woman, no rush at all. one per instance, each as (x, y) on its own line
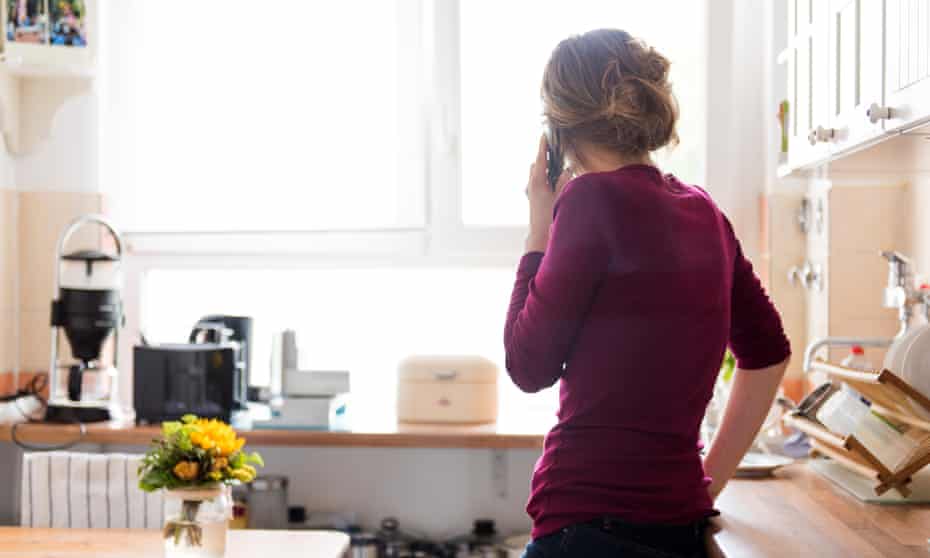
(632, 286)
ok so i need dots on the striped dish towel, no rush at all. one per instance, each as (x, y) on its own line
(86, 490)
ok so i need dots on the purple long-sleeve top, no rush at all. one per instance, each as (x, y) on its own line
(642, 287)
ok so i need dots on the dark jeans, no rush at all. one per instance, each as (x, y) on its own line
(614, 539)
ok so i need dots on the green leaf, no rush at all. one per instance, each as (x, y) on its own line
(255, 458)
(170, 428)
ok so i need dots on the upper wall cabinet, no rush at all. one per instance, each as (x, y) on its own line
(858, 70)
(807, 59)
(907, 75)
(855, 72)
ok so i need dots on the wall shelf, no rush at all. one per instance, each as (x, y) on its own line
(393, 435)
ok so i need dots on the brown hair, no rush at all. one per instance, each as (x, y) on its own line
(609, 89)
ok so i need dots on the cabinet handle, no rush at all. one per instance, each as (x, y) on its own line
(876, 112)
(820, 134)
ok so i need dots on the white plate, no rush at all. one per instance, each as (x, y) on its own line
(894, 358)
(916, 368)
(756, 464)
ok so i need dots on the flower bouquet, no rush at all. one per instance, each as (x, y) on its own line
(193, 463)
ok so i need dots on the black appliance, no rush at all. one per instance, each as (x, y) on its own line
(88, 309)
(207, 377)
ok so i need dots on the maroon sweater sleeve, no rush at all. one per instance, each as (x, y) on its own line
(553, 291)
(757, 337)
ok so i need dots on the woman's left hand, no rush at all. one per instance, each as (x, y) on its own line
(542, 198)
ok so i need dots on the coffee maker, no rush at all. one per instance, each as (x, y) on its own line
(89, 310)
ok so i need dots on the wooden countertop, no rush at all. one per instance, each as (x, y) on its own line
(799, 513)
(113, 543)
(796, 514)
(391, 434)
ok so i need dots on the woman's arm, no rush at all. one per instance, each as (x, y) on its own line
(762, 350)
(553, 291)
(749, 402)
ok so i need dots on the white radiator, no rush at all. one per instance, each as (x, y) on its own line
(86, 490)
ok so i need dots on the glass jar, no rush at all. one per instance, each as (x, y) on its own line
(196, 521)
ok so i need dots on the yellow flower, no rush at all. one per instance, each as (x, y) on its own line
(212, 434)
(186, 470)
(219, 464)
(214, 475)
(242, 475)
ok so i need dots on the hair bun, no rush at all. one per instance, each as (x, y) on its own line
(631, 108)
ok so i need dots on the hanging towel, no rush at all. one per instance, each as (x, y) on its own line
(86, 490)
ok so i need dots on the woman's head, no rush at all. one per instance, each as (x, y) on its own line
(609, 91)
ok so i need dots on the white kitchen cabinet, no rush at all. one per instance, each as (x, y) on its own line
(907, 70)
(807, 57)
(855, 71)
(858, 72)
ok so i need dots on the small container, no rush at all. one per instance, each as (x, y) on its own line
(364, 545)
(394, 542)
(482, 542)
(846, 414)
(268, 502)
(447, 389)
(856, 359)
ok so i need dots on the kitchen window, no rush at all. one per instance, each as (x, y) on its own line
(280, 160)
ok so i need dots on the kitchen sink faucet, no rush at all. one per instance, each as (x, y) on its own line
(900, 293)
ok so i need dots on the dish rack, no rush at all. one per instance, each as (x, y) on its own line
(891, 397)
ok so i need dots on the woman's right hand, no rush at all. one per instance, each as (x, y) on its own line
(542, 198)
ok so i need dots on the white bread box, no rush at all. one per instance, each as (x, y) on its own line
(447, 389)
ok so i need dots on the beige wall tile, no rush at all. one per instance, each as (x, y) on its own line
(7, 250)
(917, 236)
(7, 341)
(857, 281)
(867, 218)
(34, 344)
(786, 241)
(43, 217)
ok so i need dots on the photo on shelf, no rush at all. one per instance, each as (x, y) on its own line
(68, 23)
(27, 21)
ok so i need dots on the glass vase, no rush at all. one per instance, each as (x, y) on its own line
(196, 521)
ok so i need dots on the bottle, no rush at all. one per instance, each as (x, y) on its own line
(856, 359)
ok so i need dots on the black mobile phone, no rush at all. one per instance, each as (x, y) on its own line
(555, 161)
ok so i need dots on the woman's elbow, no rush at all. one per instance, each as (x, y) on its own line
(529, 382)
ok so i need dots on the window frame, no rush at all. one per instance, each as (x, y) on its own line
(444, 239)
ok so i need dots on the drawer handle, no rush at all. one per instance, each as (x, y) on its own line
(446, 376)
(820, 134)
(877, 112)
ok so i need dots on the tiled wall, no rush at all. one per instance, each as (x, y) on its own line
(27, 247)
(7, 281)
(783, 246)
(43, 216)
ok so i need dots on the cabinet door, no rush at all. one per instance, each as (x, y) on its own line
(809, 57)
(907, 50)
(855, 73)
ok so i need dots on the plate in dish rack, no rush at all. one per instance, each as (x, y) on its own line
(916, 365)
(756, 464)
(894, 358)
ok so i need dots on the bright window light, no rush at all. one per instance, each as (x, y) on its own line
(364, 320)
(241, 116)
(504, 48)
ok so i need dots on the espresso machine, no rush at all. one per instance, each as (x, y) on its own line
(88, 309)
